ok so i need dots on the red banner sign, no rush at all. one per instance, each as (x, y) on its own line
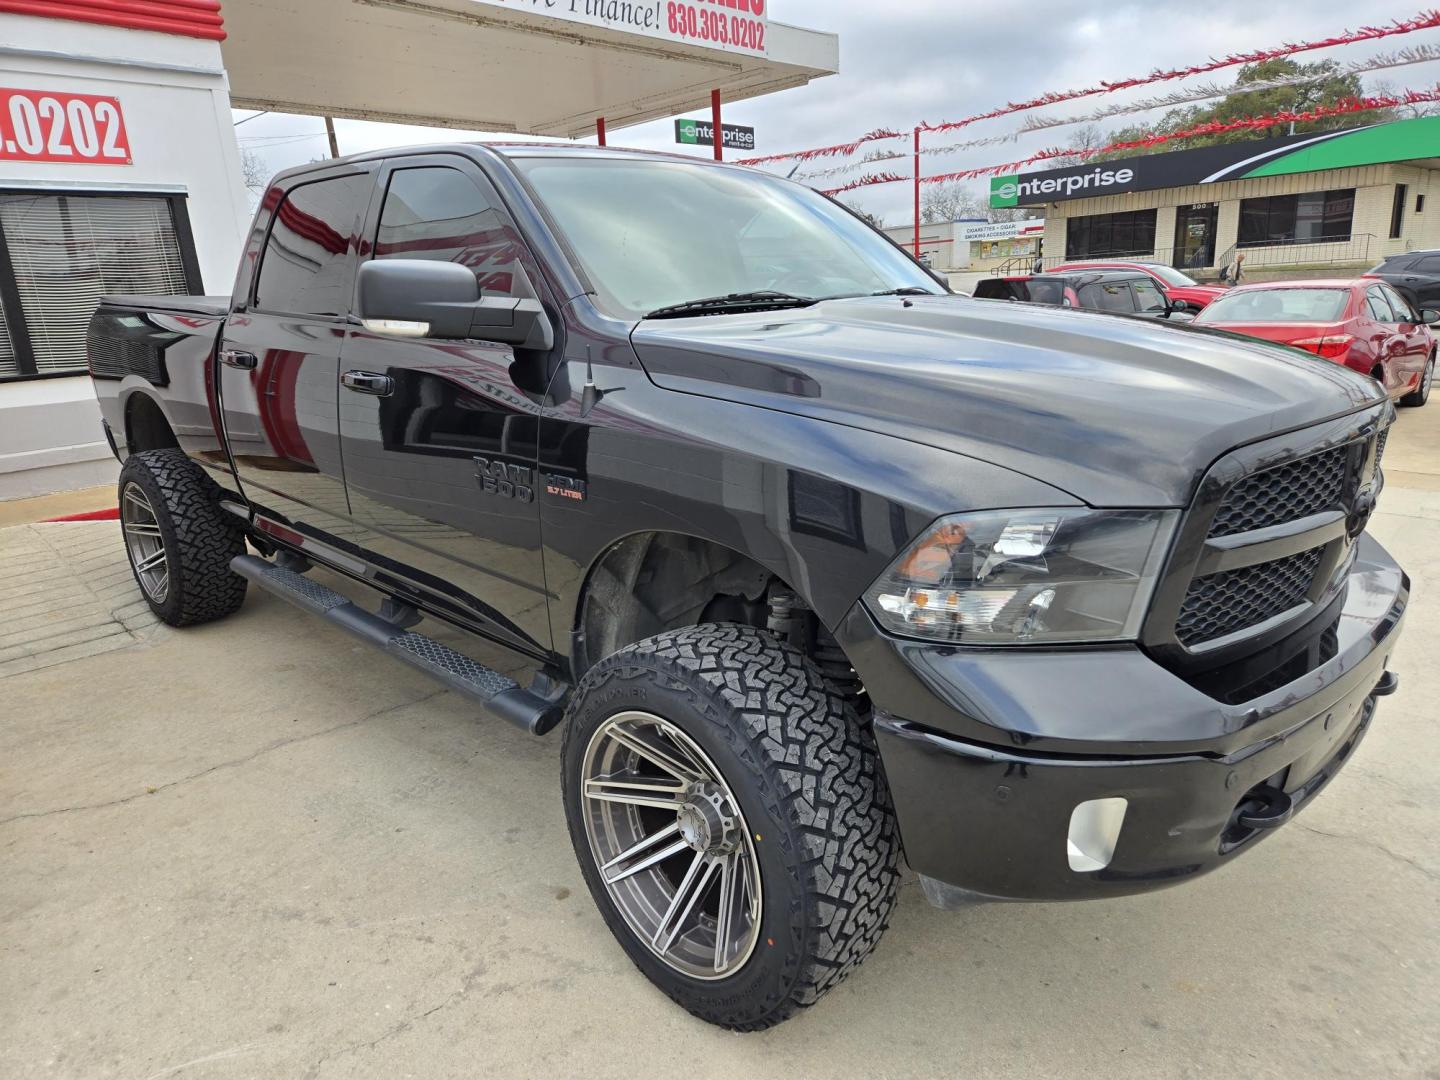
(46, 125)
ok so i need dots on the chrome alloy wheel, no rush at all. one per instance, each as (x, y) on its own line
(144, 543)
(671, 845)
(1427, 378)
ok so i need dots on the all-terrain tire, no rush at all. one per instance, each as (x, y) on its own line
(806, 775)
(1421, 393)
(199, 537)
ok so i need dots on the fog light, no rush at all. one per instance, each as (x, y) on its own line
(1094, 831)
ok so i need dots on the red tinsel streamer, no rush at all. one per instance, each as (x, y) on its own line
(1214, 127)
(1423, 21)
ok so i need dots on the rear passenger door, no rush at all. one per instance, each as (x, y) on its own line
(1149, 300)
(439, 438)
(1416, 338)
(1387, 344)
(1112, 296)
(280, 353)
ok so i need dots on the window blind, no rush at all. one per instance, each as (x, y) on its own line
(68, 250)
(9, 362)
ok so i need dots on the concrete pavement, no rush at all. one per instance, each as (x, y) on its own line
(258, 849)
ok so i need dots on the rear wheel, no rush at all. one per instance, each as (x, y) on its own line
(1421, 393)
(178, 539)
(731, 821)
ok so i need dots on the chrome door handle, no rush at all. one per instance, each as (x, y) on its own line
(367, 382)
(238, 358)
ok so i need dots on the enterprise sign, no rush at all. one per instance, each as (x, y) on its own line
(1401, 140)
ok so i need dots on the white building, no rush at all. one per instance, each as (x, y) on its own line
(972, 244)
(118, 173)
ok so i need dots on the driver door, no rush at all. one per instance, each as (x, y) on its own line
(439, 442)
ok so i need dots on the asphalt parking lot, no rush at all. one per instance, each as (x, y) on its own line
(257, 849)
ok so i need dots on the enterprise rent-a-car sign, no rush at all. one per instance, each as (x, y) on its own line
(730, 25)
(1402, 140)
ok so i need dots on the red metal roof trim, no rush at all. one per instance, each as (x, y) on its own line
(190, 18)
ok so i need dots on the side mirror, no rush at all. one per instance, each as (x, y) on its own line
(1177, 306)
(1429, 316)
(425, 298)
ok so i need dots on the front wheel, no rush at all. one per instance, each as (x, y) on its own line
(1421, 393)
(731, 821)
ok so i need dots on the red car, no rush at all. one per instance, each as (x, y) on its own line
(1363, 324)
(1173, 283)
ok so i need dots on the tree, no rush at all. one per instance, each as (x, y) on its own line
(946, 202)
(1331, 90)
(874, 220)
(253, 170)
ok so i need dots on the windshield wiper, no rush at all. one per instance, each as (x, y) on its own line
(759, 300)
(907, 290)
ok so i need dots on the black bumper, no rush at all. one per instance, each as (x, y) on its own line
(989, 752)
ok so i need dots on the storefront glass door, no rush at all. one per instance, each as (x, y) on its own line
(1195, 236)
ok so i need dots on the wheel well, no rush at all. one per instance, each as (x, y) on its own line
(652, 582)
(146, 427)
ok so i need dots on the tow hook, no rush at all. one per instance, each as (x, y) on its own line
(1265, 807)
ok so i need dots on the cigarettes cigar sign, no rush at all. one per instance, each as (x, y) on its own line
(728, 25)
(1374, 144)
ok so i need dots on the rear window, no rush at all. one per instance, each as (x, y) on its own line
(1277, 306)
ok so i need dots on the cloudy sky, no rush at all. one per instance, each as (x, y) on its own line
(907, 61)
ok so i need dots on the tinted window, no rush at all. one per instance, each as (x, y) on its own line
(1398, 304)
(1106, 296)
(1277, 306)
(306, 264)
(1147, 296)
(1129, 233)
(1430, 264)
(441, 214)
(1046, 292)
(1310, 218)
(1378, 309)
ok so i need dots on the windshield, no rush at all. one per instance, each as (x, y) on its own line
(1277, 306)
(1170, 275)
(649, 234)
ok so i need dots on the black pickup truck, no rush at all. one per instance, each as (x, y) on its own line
(816, 563)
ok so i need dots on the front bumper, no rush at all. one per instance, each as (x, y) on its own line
(989, 751)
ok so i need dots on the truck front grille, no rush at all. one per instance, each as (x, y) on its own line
(1232, 600)
(1219, 603)
(1283, 494)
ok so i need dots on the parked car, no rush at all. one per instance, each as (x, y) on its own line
(1175, 284)
(1414, 274)
(1364, 324)
(800, 546)
(1119, 292)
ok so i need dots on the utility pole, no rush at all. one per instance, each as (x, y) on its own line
(330, 131)
(917, 193)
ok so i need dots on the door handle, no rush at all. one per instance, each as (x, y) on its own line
(238, 358)
(367, 382)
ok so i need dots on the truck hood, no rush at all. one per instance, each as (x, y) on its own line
(1115, 411)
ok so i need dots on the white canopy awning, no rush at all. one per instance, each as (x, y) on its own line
(485, 66)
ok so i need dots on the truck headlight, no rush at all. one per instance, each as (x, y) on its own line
(1010, 576)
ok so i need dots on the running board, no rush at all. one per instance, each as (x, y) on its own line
(499, 694)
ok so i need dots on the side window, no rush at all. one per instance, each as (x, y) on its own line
(1428, 264)
(440, 213)
(1107, 296)
(1398, 304)
(1379, 309)
(1147, 296)
(305, 268)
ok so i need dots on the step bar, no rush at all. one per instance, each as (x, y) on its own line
(499, 694)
